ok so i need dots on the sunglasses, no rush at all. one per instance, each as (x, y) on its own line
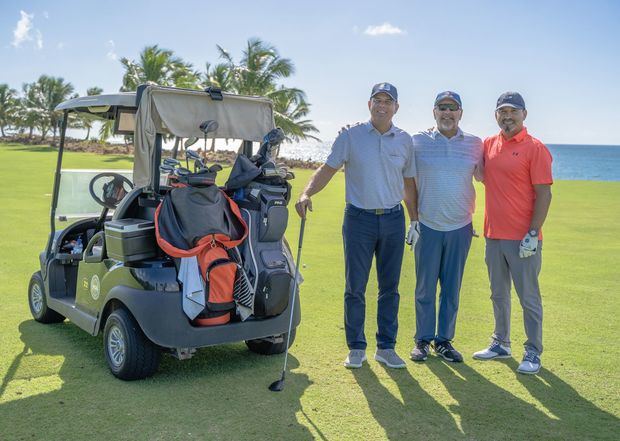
(452, 107)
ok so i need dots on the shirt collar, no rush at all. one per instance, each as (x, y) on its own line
(459, 134)
(390, 132)
(517, 138)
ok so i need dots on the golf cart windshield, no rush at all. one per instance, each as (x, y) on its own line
(74, 198)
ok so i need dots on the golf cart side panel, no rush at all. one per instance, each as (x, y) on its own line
(161, 317)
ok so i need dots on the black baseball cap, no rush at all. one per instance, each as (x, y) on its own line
(510, 99)
(385, 88)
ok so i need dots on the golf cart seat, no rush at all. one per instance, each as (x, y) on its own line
(136, 205)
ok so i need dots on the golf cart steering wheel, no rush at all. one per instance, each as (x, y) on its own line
(113, 191)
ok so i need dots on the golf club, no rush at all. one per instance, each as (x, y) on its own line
(171, 162)
(278, 385)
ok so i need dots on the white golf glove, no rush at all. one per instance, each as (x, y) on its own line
(528, 246)
(413, 234)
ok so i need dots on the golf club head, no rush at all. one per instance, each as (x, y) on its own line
(171, 162)
(198, 165)
(192, 154)
(181, 171)
(166, 169)
(209, 126)
(274, 137)
(278, 385)
(190, 142)
(289, 175)
(215, 168)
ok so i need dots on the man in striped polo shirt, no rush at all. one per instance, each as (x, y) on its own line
(441, 230)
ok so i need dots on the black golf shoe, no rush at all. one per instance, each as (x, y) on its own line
(447, 351)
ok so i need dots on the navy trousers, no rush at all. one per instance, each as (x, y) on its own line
(439, 257)
(366, 235)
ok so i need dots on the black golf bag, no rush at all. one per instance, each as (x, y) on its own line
(267, 262)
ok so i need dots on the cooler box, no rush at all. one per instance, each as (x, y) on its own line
(130, 240)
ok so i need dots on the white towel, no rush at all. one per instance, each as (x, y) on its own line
(193, 287)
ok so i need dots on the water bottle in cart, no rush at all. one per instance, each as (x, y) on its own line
(78, 247)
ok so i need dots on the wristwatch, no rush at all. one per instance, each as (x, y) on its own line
(533, 233)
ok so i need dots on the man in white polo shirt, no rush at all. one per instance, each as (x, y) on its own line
(379, 164)
(441, 229)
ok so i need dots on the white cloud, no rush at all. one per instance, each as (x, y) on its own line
(111, 50)
(21, 32)
(38, 39)
(60, 46)
(383, 29)
(46, 15)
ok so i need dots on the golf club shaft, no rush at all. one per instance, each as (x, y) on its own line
(290, 323)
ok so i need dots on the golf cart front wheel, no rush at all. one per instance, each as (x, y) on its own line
(129, 353)
(271, 345)
(38, 302)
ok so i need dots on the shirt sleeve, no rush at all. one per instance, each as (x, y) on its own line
(340, 151)
(540, 165)
(410, 169)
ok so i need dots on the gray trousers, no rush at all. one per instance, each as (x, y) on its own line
(504, 264)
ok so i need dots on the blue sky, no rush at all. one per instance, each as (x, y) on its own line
(563, 56)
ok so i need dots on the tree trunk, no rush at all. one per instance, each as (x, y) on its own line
(31, 129)
(2, 130)
(87, 133)
(54, 135)
(212, 145)
(175, 149)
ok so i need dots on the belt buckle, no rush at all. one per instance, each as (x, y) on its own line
(379, 211)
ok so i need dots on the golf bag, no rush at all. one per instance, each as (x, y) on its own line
(203, 223)
(266, 261)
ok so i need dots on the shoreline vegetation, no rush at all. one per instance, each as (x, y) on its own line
(222, 157)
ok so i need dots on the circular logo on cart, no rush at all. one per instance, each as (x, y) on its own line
(94, 287)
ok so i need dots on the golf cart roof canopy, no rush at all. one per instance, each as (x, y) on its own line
(102, 106)
(162, 110)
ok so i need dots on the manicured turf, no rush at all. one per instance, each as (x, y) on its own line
(55, 383)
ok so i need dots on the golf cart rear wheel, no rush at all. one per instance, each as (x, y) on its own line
(271, 345)
(129, 353)
(38, 302)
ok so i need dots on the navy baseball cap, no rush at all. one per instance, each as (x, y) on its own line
(510, 99)
(449, 95)
(385, 88)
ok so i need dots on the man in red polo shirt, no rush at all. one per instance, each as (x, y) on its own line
(517, 179)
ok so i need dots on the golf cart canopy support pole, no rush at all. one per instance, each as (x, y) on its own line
(61, 148)
(247, 148)
(155, 175)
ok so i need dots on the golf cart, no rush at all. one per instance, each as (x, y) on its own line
(107, 271)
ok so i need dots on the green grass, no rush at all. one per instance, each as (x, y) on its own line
(55, 384)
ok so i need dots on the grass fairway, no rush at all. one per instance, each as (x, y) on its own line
(55, 384)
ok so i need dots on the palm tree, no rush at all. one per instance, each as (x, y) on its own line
(30, 111)
(40, 100)
(159, 66)
(8, 102)
(258, 72)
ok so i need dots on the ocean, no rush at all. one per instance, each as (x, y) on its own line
(570, 162)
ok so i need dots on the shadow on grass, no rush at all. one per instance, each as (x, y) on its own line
(488, 411)
(417, 416)
(32, 148)
(221, 393)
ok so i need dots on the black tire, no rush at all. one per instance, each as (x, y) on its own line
(271, 345)
(38, 301)
(129, 353)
